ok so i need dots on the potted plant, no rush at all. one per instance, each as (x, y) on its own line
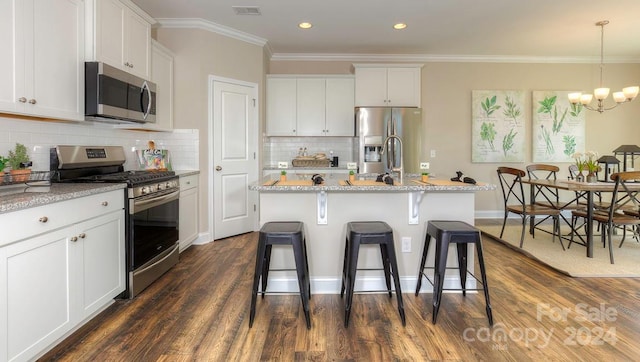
(283, 175)
(425, 176)
(352, 176)
(3, 164)
(19, 162)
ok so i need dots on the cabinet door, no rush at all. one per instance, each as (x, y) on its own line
(137, 45)
(12, 55)
(340, 119)
(281, 107)
(162, 76)
(310, 107)
(188, 231)
(371, 87)
(101, 265)
(54, 81)
(38, 304)
(403, 87)
(110, 32)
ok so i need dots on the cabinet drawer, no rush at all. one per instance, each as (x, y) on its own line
(188, 182)
(42, 219)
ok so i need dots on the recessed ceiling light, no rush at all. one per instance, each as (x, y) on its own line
(305, 25)
(399, 26)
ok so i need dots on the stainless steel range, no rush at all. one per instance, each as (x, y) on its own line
(151, 207)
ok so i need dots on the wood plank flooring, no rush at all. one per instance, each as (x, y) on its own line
(199, 310)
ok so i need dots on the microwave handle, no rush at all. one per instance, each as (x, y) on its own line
(145, 87)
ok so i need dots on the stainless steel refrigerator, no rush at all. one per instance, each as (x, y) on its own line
(375, 124)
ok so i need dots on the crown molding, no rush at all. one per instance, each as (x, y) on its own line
(195, 23)
(431, 58)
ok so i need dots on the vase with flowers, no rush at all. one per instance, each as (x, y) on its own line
(591, 162)
(581, 165)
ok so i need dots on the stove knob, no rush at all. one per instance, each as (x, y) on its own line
(145, 190)
(168, 185)
(160, 186)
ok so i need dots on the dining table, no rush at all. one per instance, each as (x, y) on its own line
(582, 189)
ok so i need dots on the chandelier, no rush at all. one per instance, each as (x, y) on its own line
(627, 94)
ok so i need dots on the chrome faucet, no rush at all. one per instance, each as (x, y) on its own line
(399, 170)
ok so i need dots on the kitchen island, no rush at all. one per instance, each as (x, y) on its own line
(325, 209)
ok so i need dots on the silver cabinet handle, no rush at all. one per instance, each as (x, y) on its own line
(74, 238)
(104, 203)
(43, 219)
(32, 101)
(82, 235)
(22, 100)
(218, 168)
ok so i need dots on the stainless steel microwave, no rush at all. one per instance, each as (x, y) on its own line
(113, 94)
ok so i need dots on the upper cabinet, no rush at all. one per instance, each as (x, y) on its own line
(387, 85)
(42, 58)
(162, 76)
(310, 106)
(120, 35)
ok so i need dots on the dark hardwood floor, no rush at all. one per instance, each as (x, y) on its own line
(198, 311)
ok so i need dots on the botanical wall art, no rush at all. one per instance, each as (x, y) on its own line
(558, 127)
(498, 129)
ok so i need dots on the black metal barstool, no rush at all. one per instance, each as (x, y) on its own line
(445, 233)
(282, 233)
(369, 232)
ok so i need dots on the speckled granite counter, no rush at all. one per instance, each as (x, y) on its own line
(183, 173)
(10, 201)
(410, 185)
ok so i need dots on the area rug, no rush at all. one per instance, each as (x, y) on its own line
(572, 261)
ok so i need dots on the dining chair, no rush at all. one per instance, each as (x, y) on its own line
(623, 209)
(515, 202)
(548, 196)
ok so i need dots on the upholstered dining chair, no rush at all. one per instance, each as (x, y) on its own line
(515, 202)
(623, 209)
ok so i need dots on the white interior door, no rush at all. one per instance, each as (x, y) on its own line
(235, 163)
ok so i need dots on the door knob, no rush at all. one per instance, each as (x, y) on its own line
(218, 168)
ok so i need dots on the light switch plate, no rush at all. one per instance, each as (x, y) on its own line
(284, 164)
(424, 165)
(352, 165)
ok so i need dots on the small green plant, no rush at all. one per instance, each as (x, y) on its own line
(3, 163)
(351, 172)
(569, 145)
(18, 157)
(512, 110)
(283, 173)
(425, 174)
(507, 141)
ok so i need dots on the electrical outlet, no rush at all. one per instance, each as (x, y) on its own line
(406, 244)
(284, 164)
(424, 165)
(433, 153)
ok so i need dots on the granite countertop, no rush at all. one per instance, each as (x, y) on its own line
(182, 173)
(410, 185)
(23, 197)
(295, 168)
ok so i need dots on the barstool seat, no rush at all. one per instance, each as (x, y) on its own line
(282, 233)
(445, 233)
(369, 232)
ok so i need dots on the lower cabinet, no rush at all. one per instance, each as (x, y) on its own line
(52, 283)
(188, 229)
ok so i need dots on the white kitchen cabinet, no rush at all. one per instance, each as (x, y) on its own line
(387, 86)
(162, 76)
(339, 108)
(120, 35)
(54, 277)
(188, 229)
(310, 106)
(281, 106)
(42, 60)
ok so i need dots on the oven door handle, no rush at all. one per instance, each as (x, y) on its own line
(147, 204)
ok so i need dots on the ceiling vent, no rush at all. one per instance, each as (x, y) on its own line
(246, 10)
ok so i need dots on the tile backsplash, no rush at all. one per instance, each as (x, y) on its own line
(286, 148)
(40, 137)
